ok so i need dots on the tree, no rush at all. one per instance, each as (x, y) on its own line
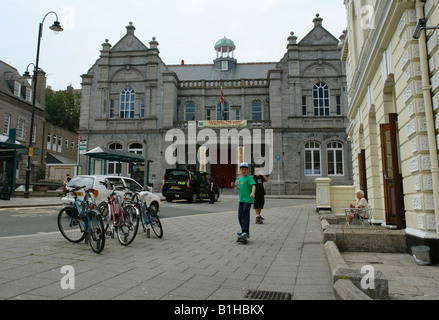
(63, 107)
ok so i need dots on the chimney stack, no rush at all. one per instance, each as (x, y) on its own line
(40, 95)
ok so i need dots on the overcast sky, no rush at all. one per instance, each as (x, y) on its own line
(185, 29)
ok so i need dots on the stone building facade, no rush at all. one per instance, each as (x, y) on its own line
(16, 112)
(60, 152)
(135, 102)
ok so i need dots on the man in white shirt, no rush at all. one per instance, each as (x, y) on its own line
(360, 204)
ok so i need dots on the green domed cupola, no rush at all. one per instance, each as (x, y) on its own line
(225, 60)
(224, 46)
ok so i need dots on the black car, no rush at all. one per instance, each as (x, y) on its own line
(186, 184)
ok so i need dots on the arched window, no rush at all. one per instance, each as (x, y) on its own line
(335, 158)
(127, 98)
(114, 167)
(135, 148)
(321, 99)
(226, 111)
(189, 111)
(257, 110)
(312, 158)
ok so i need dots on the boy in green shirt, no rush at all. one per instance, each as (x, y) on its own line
(247, 189)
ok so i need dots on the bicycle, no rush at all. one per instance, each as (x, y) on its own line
(81, 220)
(148, 215)
(122, 217)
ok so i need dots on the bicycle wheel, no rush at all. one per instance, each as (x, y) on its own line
(128, 225)
(68, 224)
(96, 234)
(104, 209)
(156, 225)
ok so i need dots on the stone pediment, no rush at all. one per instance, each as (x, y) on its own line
(319, 36)
(129, 43)
(320, 70)
(127, 75)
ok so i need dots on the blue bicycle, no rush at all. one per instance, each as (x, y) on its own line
(81, 220)
(148, 214)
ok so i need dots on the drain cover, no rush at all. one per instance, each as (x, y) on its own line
(267, 295)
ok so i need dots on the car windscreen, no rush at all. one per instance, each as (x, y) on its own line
(201, 176)
(81, 181)
(115, 182)
(132, 185)
(178, 175)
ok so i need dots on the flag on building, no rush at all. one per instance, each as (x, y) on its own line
(222, 97)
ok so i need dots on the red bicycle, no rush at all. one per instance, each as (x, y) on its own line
(119, 216)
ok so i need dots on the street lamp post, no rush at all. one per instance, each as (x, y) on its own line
(56, 27)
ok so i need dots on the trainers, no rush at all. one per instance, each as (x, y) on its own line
(259, 220)
(245, 235)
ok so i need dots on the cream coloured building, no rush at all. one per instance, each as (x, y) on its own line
(393, 106)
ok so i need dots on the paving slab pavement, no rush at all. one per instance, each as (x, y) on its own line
(407, 279)
(15, 202)
(198, 258)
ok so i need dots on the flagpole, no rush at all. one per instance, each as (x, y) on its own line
(222, 97)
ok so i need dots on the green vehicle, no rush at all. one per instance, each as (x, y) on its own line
(186, 184)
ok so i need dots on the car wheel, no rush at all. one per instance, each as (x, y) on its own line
(168, 199)
(216, 196)
(194, 197)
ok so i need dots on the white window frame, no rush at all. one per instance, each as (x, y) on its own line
(111, 110)
(138, 151)
(59, 144)
(321, 103)
(312, 150)
(187, 114)
(17, 89)
(127, 106)
(28, 94)
(142, 108)
(7, 125)
(334, 149)
(237, 113)
(209, 112)
(338, 101)
(54, 142)
(34, 134)
(226, 111)
(49, 141)
(304, 106)
(225, 65)
(112, 166)
(261, 112)
(21, 128)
